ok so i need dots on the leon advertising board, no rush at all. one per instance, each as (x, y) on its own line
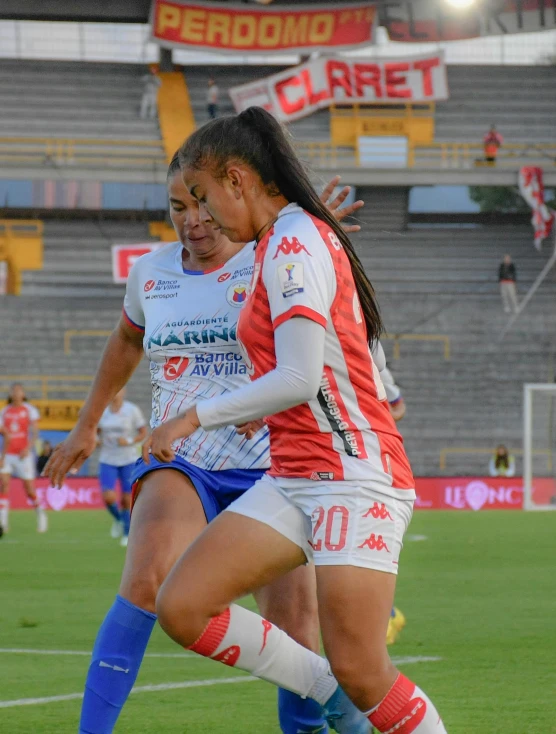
(433, 493)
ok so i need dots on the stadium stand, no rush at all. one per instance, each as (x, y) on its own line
(77, 260)
(65, 112)
(431, 281)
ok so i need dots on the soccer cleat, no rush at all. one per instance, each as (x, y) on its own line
(396, 623)
(343, 716)
(116, 531)
(42, 520)
(123, 541)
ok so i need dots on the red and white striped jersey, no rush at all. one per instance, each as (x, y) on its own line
(17, 421)
(346, 432)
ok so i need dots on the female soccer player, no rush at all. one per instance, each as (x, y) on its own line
(121, 427)
(340, 488)
(18, 423)
(181, 306)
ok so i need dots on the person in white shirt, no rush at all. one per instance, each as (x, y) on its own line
(150, 96)
(121, 427)
(212, 99)
(502, 463)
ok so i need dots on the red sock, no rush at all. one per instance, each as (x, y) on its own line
(406, 710)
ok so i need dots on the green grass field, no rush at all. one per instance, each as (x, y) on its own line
(479, 593)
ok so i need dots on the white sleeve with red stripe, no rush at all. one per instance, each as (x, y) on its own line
(300, 284)
(34, 414)
(133, 307)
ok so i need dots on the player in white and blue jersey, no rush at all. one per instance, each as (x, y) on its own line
(181, 309)
(121, 428)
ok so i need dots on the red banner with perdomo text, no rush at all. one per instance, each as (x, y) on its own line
(295, 28)
(324, 81)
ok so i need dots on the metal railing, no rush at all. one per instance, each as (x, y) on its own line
(71, 333)
(43, 386)
(397, 338)
(489, 452)
(81, 151)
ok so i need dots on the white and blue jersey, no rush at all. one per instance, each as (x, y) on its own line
(189, 321)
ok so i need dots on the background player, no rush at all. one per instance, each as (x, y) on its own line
(121, 427)
(19, 427)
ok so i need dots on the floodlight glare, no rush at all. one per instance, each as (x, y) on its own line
(461, 3)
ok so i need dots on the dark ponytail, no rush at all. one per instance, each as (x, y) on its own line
(257, 138)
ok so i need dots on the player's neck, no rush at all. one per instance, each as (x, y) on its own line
(212, 260)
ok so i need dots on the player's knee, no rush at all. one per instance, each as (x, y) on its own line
(182, 616)
(362, 682)
(141, 588)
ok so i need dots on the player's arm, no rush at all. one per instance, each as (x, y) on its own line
(121, 356)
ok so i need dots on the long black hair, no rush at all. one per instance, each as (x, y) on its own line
(9, 399)
(256, 138)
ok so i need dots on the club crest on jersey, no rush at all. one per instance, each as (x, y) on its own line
(290, 247)
(237, 293)
(290, 277)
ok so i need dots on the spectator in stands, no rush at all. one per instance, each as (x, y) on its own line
(212, 99)
(507, 278)
(492, 142)
(44, 456)
(502, 463)
(150, 95)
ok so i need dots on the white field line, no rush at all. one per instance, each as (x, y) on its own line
(137, 689)
(408, 660)
(26, 651)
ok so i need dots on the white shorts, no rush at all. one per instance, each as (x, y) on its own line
(334, 523)
(17, 467)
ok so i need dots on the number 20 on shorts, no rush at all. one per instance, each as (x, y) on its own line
(333, 525)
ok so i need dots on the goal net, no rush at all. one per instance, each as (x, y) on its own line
(539, 446)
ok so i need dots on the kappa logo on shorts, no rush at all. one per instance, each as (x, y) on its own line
(374, 542)
(289, 247)
(379, 512)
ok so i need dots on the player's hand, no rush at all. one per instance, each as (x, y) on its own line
(159, 443)
(334, 206)
(398, 410)
(69, 455)
(250, 429)
(122, 441)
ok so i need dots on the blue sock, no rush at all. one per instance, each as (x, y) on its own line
(298, 714)
(114, 511)
(117, 655)
(126, 517)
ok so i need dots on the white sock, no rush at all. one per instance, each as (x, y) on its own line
(4, 512)
(406, 709)
(244, 640)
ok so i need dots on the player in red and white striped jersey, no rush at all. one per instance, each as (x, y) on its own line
(340, 489)
(18, 423)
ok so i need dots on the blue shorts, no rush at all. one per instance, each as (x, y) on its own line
(108, 475)
(216, 489)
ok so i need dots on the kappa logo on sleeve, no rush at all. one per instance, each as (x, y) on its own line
(290, 247)
(290, 277)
